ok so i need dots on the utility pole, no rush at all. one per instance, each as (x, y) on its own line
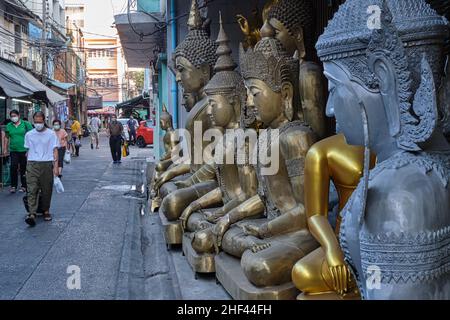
(44, 41)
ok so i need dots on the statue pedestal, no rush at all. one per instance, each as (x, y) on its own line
(328, 296)
(230, 274)
(200, 263)
(173, 232)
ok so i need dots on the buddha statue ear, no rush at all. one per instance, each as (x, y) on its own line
(287, 94)
(300, 40)
(385, 73)
(205, 69)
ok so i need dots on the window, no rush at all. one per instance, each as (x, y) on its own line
(8, 17)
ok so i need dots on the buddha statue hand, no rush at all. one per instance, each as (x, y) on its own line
(187, 213)
(220, 228)
(340, 274)
(182, 184)
(166, 176)
(252, 230)
(243, 24)
(213, 217)
(260, 247)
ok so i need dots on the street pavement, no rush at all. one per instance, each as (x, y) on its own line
(102, 234)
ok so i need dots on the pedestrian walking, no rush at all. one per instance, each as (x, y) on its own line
(76, 136)
(15, 138)
(115, 132)
(63, 139)
(132, 126)
(94, 127)
(42, 166)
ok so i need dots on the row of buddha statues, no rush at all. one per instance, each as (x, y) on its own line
(273, 236)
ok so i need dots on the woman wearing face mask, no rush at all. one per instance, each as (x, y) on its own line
(42, 166)
(63, 139)
(15, 137)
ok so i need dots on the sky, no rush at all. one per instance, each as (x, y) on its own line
(99, 15)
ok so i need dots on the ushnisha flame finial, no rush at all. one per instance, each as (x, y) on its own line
(195, 19)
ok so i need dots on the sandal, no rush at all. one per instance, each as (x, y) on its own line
(23, 190)
(31, 220)
(12, 190)
(47, 216)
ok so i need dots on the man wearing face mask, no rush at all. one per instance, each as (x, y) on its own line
(42, 166)
(115, 131)
(15, 137)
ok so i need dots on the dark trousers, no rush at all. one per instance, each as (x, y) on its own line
(77, 148)
(40, 180)
(18, 165)
(115, 143)
(132, 136)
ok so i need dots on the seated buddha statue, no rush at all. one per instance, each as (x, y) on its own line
(263, 237)
(292, 23)
(395, 230)
(331, 159)
(226, 96)
(194, 58)
(169, 142)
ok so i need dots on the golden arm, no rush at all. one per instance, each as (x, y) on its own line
(172, 173)
(211, 199)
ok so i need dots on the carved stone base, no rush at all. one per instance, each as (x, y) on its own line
(230, 274)
(200, 263)
(173, 232)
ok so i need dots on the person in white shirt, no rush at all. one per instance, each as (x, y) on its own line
(42, 166)
(94, 125)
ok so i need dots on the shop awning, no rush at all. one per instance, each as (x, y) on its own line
(12, 88)
(61, 85)
(138, 102)
(26, 80)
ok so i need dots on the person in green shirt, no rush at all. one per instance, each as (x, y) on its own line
(15, 138)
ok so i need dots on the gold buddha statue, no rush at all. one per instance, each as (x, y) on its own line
(251, 27)
(331, 159)
(169, 142)
(226, 96)
(292, 23)
(263, 237)
(181, 184)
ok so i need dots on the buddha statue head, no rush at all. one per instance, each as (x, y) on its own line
(194, 59)
(391, 69)
(225, 91)
(270, 75)
(291, 22)
(165, 119)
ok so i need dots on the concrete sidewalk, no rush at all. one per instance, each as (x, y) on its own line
(101, 225)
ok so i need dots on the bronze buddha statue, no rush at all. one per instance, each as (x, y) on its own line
(292, 23)
(169, 142)
(195, 58)
(331, 159)
(226, 96)
(395, 227)
(263, 237)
